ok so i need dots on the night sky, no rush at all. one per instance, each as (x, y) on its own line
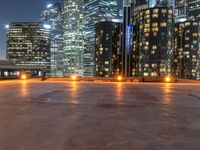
(16, 11)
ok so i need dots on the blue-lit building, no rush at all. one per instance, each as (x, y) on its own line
(53, 19)
(95, 11)
(127, 40)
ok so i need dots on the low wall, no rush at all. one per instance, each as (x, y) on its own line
(187, 81)
(112, 79)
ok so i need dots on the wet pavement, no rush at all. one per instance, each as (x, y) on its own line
(38, 115)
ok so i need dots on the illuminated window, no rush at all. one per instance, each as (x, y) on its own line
(155, 11)
(163, 24)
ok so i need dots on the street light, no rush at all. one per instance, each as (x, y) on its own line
(119, 78)
(23, 76)
(167, 79)
(73, 77)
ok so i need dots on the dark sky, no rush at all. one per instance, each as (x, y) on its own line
(18, 10)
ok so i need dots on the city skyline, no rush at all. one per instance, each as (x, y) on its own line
(32, 13)
(29, 11)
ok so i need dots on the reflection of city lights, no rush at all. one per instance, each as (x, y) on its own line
(167, 93)
(23, 88)
(119, 91)
(74, 93)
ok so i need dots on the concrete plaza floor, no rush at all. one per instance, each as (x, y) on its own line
(37, 115)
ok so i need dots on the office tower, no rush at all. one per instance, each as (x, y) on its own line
(181, 10)
(108, 49)
(95, 11)
(161, 3)
(187, 50)
(53, 17)
(73, 37)
(194, 9)
(127, 40)
(28, 44)
(152, 43)
(137, 6)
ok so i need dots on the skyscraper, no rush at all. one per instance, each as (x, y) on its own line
(137, 6)
(152, 42)
(53, 17)
(73, 37)
(127, 40)
(161, 3)
(187, 50)
(95, 11)
(108, 49)
(194, 9)
(181, 10)
(28, 44)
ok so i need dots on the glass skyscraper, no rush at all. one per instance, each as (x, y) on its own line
(108, 49)
(194, 9)
(28, 44)
(53, 18)
(127, 39)
(73, 37)
(181, 10)
(152, 42)
(95, 11)
(162, 3)
(187, 50)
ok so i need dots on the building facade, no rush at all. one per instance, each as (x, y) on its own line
(194, 9)
(181, 10)
(95, 11)
(108, 45)
(28, 44)
(53, 17)
(187, 50)
(152, 42)
(127, 40)
(10, 70)
(138, 5)
(160, 3)
(73, 37)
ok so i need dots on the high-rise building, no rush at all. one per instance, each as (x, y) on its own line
(137, 6)
(95, 11)
(53, 17)
(73, 37)
(194, 9)
(161, 3)
(127, 40)
(152, 42)
(108, 49)
(28, 44)
(181, 10)
(187, 50)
